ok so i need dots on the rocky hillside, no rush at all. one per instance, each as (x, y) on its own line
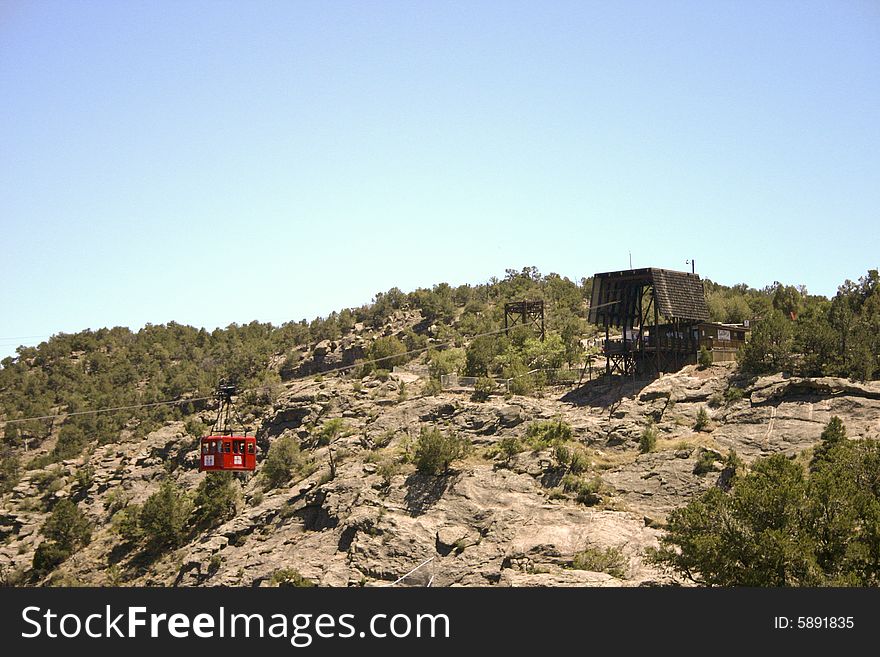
(512, 512)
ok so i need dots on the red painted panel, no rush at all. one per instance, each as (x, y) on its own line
(222, 453)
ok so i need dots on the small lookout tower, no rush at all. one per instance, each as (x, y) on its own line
(657, 311)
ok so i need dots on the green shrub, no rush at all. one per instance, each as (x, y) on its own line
(283, 461)
(126, 523)
(71, 440)
(579, 461)
(769, 348)
(195, 428)
(509, 446)
(562, 454)
(331, 430)
(435, 450)
(433, 387)
(706, 462)
(542, 434)
(68, 526)
(116, 500)
(290, 577)
(384, 439)
(648, 439)
(39, 462)
(446, 362)
(48, 481)
(218, 498)
(833, 435)
(588, 492)
(571, 483)
(572, 458)
(598, 560)
(84, 478)
(520, 382)
(10, 470)
(704, 359)
(388, 468)
(67, 529)
(163, 518)
(483, 388)
(480, 354)
(386, 352)
(702, 422)
(47, 557)
(733, 394)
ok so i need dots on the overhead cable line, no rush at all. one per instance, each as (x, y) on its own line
(104, 410)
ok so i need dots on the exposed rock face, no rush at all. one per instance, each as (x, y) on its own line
(494, 519)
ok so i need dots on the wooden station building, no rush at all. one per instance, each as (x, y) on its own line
(660, 321)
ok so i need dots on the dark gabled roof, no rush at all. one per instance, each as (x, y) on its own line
(615, 299)
(680, 295)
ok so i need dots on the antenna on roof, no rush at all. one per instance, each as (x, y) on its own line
(691, 262)
(630, 259)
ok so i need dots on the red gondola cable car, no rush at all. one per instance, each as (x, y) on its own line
(225, 449)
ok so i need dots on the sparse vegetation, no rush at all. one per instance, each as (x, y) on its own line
(331, 430)
(10, 469)
(509, 446)
(572, 458)
(542, 435)
(218, 497)
(483, 388)
(388, 468)
(733, 394)
(586, 491)
(435, 450)
(706, 462)
(433, 387)
(648, 439)
(284, 460)
(290, 577)
(703, 421)
(163, 518)
(66, 530)
(833, 435)
(602, 560)
(704, 358)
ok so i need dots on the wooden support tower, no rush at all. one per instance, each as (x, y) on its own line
(524, 313)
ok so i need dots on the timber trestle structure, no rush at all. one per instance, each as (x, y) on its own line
(654, 314)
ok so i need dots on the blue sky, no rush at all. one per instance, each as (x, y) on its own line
(218, 162)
